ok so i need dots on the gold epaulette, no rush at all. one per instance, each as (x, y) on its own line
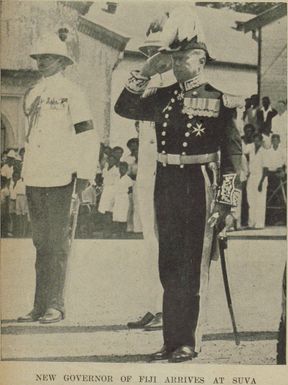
(233, 101)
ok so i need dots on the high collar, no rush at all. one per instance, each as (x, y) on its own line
(53, 78)
(195, 82)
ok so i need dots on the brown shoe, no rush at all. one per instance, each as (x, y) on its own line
(51, 316)
(162, 354)
(184, 353)
(33, 316)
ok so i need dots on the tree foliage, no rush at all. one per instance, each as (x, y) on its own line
(254, 8)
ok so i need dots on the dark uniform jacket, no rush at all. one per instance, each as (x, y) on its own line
(200, 121)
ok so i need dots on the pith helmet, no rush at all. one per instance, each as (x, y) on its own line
(51, 44)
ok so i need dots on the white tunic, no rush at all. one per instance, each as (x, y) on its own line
(275, 158)
(279, 126)
(110, 179)
(53, 151)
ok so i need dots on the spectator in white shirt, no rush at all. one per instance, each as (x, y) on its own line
(257, 182)
(276, 167)
(21, 207)
(123, 188)
(279, 123)
(8, 167)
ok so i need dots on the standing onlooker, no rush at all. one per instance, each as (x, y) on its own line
(279, 123)
(134, 222)
(8, 167)
(117, 152)
(21, 207)
(276, 165)
(257, 182)
(13, 230)
(4, 206)
(251, 112)
(123, 188)
(110, 175)
(247, 139)
(265, 114)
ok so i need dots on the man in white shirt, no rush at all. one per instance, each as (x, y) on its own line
(60, 149)
(7, 168)
(279, 123)
(275, 169)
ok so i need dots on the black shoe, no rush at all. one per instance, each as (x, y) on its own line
(51, 316)
(148, 317)
(162, 354)
(33, 316)
(184, 353)
(155, 324)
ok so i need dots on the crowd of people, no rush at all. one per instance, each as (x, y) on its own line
(263, 171)
(109, 204)
(15, 219)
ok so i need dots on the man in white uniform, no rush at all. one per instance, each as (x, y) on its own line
(59, 149)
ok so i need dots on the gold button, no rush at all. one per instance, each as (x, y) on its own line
(183, 153)
(190, 116)
(181, 165)
(175, 92)
(172, 100)
(165, 124)
(166, 116)
(163, 152)
(169, 108)
(189, 125)
(163, 133)
(194, 93)
(163, 142)
(185, 144)
(187, 134)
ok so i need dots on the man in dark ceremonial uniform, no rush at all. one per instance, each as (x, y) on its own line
(194, 189)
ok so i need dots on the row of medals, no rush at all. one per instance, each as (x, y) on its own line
(198, 130)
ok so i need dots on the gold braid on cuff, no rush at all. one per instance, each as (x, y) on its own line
(227, 193)
(136, 83)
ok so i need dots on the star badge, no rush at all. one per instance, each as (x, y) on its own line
(180, 96)
(198, 130)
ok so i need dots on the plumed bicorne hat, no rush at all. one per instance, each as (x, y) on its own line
(183, 31)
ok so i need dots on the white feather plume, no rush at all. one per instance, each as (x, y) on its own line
(182, 24)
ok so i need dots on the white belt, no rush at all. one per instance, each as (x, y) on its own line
(177, 159)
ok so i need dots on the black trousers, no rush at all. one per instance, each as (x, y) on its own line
(49, 209)
(181, 211)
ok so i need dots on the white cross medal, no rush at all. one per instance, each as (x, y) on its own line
(198, 129)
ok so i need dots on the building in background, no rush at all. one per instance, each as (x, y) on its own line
(269, 29)
(95, 49)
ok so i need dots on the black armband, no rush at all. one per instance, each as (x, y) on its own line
(83, 126)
